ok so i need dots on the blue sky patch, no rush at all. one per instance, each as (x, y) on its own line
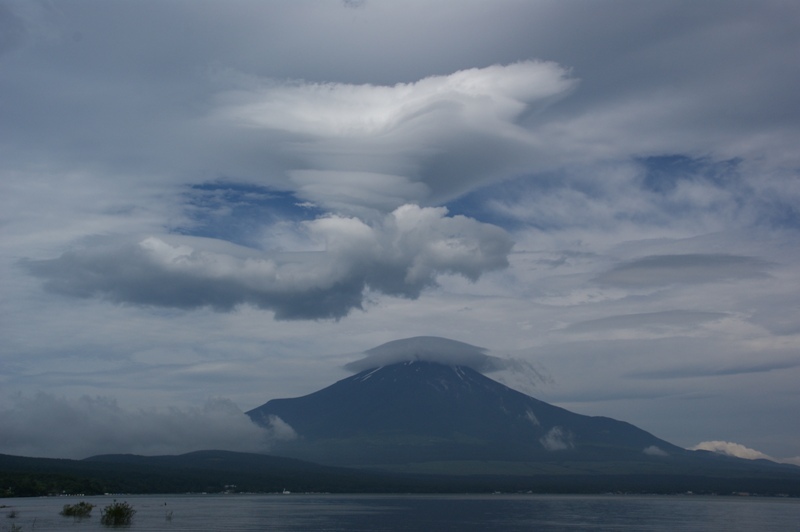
(238, 212)
(664, 172)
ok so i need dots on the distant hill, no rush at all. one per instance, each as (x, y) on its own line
(197, 472)
(222, 471)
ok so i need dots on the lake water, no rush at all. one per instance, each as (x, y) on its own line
(416, 513)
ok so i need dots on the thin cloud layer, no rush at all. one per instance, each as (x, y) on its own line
(659, 270)
(401, 256)
(669, 320)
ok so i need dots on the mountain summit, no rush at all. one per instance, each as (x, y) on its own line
(436, 407)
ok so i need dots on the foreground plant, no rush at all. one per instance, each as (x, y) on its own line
(117, 514)
(82, 509)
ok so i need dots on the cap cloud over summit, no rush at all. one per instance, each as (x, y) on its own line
(427, 349)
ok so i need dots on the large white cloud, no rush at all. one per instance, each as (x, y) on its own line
(400, 256)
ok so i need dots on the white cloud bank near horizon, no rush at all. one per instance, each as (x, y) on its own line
(48, 426)
(607, 192)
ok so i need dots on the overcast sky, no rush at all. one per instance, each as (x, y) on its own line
(207, 205)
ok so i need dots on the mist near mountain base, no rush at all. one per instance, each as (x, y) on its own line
(44, 425)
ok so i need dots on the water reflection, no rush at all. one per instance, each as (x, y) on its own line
(408, 513)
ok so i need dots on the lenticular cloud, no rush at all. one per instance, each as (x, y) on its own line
(499, 93)
(400, 255)
(358, 148)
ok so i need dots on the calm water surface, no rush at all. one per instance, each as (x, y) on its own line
(416, 512)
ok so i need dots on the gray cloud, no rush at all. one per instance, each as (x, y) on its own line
(661, 270)
(400, 256)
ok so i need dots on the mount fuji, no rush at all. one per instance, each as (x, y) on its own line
(423, 404)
